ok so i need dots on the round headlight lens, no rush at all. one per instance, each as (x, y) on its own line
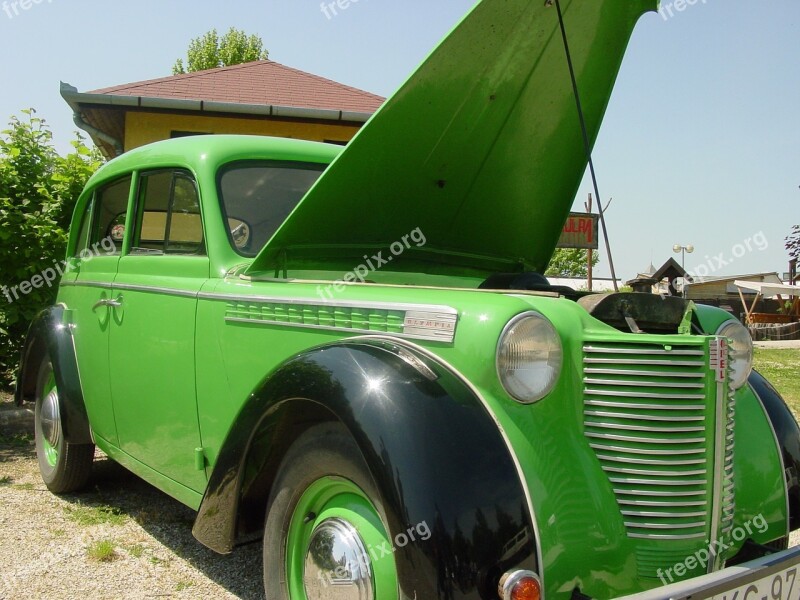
(741, 351)
(529, 357)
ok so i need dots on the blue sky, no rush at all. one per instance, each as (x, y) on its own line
(701, 143)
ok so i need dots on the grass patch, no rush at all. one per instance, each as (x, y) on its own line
(6, 480)
(26, 487)
(782, 368)
(183, 585)
(135, 550)
(87, 516)
(102, 551)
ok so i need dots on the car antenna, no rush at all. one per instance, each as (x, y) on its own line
(587, 145)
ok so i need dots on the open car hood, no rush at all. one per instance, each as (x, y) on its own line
(480, 150)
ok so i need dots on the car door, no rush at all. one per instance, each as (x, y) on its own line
(152, 340)
(89, 294)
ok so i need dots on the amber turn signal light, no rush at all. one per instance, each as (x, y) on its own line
(520, 585)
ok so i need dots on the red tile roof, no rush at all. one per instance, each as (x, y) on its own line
(262, 82)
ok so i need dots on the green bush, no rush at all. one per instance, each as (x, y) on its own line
(38, 191)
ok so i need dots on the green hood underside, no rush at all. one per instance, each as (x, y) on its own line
(480, 150)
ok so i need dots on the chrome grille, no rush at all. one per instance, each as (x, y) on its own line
(728, 496)
(647, 417)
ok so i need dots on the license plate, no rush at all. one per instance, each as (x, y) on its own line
(782, 585)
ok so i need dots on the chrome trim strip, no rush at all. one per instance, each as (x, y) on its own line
(155, 289)
(90, 284)
(621, 415)
(648, 451)
(132, 288)
(624, 438)
(664, 504)
(637, 461)
(660, 494)
(641, 350)
(648, 384)
(520, 473)
(265, 323)
(606, 403)
(656, 536)
(639, 513)
(658, 481)
(436, 308)
(717, 345)
(655, 363)
(780, 455)
(596, 371)
(628, 471)
(666, 525)
(600, 425)
(645, 395)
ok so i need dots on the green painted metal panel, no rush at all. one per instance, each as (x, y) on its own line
(481, 149)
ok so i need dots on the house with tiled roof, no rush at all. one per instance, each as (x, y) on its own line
(258, 98)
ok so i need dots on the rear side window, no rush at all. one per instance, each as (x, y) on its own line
(111, 208)
(168, 215)
(257, 197)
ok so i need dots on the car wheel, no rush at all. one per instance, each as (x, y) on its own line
(325, 534)
(64, 467)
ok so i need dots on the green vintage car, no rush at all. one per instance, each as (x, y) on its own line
(353, 355)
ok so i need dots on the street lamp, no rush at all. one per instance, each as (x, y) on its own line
(682, 250)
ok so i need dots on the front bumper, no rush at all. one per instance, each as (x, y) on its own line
(753, 580)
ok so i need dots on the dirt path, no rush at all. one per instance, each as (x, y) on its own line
(121, 539)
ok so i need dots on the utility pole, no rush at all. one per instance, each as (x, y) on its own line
(590, 253)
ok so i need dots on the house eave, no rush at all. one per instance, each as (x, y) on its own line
(75, 99)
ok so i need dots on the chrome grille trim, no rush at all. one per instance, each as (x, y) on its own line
(616, 393)
(667, 419)
(620, 492)
(647, 418)
(648, 451)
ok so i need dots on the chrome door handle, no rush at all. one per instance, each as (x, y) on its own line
(116, 303)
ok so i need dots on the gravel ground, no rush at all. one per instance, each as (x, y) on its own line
(46, 540)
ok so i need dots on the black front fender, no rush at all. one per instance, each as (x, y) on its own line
(436, 454)
(788, 434)
(50, 335)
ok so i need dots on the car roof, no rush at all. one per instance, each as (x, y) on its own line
(210, 151)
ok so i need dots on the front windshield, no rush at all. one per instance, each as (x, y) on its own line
(257, 197)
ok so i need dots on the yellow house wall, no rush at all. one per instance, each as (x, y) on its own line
(144, 128)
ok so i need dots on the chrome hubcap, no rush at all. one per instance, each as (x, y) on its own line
(337, 564)
(51, 419)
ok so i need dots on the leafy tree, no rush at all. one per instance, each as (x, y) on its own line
(570, 262)
(793, 243)
(38, 191)
(209, 51)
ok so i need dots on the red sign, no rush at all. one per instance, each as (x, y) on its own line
(580, 231)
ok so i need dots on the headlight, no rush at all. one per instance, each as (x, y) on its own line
(529, 357)
(741, 351)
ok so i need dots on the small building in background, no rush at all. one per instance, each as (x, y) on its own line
(257, 98)
(723, 289)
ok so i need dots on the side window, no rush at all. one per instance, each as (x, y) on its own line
(111, 208)
(168, 215)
